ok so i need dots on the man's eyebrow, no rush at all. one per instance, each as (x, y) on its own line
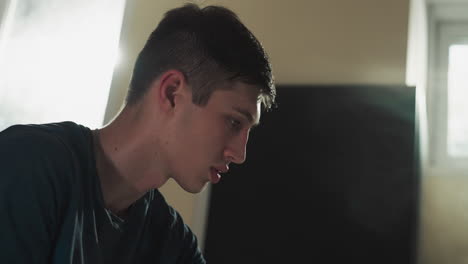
(247, 115)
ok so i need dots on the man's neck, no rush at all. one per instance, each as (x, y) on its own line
(124, 161)
(117, 192)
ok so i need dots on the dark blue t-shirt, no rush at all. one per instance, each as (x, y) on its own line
(52, 211)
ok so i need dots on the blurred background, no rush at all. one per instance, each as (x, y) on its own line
(72, 60)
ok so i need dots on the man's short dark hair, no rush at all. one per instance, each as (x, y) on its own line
(209, 46)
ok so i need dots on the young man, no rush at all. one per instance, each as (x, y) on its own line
(72, 195)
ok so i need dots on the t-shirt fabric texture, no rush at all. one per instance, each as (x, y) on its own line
(52, 209)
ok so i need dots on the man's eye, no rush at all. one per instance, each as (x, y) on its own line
(234, 124)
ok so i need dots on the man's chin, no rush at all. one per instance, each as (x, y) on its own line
(195, 188)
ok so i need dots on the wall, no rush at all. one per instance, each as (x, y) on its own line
(444, 217)
(314, 42)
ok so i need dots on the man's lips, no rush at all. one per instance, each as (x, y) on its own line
(215, 176)
(216, 173)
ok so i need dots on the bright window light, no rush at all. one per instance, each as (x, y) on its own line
(56, 60)
(457, 136)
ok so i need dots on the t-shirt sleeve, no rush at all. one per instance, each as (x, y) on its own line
(30, 169)
(181, 246)
(190, 252)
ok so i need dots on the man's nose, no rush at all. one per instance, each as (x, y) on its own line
(236, 150)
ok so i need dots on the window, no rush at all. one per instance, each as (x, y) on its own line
(448, 86)
(457, 89)
(57, 59)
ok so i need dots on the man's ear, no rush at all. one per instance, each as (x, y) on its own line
(172, 85)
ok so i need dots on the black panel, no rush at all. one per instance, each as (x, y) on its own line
(331, 177)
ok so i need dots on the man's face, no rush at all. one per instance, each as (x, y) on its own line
(205, 139)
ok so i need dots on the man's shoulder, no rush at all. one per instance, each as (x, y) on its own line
(42, 160)
(57, 146)
(42, 137)
(35, 131)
